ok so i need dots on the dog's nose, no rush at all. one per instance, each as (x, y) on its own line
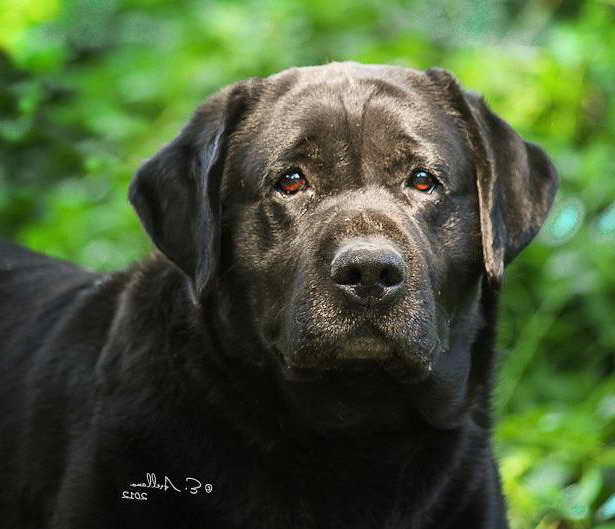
(368, 271)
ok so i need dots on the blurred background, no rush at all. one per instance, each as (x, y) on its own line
(89, 88)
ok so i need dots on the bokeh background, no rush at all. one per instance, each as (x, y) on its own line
(89, 88)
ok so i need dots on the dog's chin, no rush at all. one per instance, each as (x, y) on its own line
(367, 385)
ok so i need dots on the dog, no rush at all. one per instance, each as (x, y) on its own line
(312, 343)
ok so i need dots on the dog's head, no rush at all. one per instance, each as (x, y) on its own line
(346, 219)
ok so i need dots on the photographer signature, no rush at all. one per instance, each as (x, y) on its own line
(191, 485)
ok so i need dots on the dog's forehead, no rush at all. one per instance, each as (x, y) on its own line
(341, 107)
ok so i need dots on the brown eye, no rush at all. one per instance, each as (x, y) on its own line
(291, 183)
(422, 181)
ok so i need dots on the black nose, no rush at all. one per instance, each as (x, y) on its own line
(368, 271)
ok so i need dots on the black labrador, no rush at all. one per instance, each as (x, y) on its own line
(312, 347)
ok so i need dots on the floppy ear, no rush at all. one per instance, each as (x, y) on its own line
(516, 181)
(177, 192)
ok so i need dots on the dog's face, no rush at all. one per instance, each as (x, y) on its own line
(358, 226)
(348, 216)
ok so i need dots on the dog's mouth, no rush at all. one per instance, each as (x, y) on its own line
(365, 379)
(363, 347)
(363, 355)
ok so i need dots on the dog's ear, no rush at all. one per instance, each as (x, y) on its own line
(516, 181)
(177, 192)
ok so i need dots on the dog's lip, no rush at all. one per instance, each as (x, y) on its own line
(363, 352)
(363, 347)
(355, 368)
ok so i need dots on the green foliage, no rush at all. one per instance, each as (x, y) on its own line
(88, 89)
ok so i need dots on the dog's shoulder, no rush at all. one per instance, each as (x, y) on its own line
(12, 255)
(35, 288)
(15, 258)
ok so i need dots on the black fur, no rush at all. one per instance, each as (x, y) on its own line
(233, 359)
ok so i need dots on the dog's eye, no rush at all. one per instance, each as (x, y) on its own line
(422, 180)
(291, 183)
